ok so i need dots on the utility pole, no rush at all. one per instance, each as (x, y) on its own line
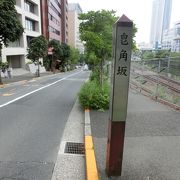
(122, 44)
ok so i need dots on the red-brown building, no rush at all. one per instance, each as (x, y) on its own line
(54, 19)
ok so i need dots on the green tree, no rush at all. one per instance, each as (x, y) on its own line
(134, 47)
(82, 58)
(74, 56)
(10, 26)
(37, 49)
(57, 53)
(96, 31)
(65, 54)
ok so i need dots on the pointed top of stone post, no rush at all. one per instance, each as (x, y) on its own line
(124, 21)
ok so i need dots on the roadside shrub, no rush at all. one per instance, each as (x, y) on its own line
(92, 96)
(95, 74)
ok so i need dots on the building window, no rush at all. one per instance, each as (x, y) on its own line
(30, 25)
(53, 8)
(53, 30)
(28, 6)
(53, 19)
(29, 38)
(58, 3)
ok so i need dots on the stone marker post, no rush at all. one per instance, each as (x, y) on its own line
(122, 43)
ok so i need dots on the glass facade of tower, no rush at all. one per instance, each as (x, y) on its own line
(161, 15)
(167, 14)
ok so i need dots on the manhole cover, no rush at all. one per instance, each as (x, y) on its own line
(74, 148)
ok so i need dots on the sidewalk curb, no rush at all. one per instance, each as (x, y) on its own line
(91, 166)
(13, 83)
(25, 80)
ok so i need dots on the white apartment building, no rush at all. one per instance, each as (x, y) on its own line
(171, 38)
(30, 16)
(74, 10)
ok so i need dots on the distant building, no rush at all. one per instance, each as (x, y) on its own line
(144, 46)
(176, 44)
(171, 38)
(29, 15)
(167, 39)
(54, 19)
(74, 10)
(64, 21)
(161, 15)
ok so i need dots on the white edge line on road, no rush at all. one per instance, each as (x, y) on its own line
(20, 97)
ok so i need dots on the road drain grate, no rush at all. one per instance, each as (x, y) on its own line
(74, 148)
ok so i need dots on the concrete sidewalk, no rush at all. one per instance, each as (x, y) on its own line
(152, 141)
(71, 166)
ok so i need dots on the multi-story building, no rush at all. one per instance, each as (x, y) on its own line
(54, 19)
(74, 10)
(167, 39)
(171, 38)
(29, 15)
(176, 44)
(161, 14)
(64, 24)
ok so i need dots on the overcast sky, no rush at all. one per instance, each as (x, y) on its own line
(137, 10)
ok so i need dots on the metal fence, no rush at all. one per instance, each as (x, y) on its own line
(158, 77)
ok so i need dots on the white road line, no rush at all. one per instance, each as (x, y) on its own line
(20, 97)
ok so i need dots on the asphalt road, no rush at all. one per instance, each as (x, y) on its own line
(32, 119)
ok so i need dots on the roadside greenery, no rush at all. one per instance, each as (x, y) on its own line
(93, 96)
(57, 52)
(147, 54)
(37, 49)
(65, 55)
(169, 62)
(3, 65)
(60, 55)
(96, 32)
(75, 58)
(10, 26)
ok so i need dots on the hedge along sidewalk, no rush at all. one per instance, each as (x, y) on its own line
(91, 165)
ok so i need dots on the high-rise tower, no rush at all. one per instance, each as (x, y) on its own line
(161, 15)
